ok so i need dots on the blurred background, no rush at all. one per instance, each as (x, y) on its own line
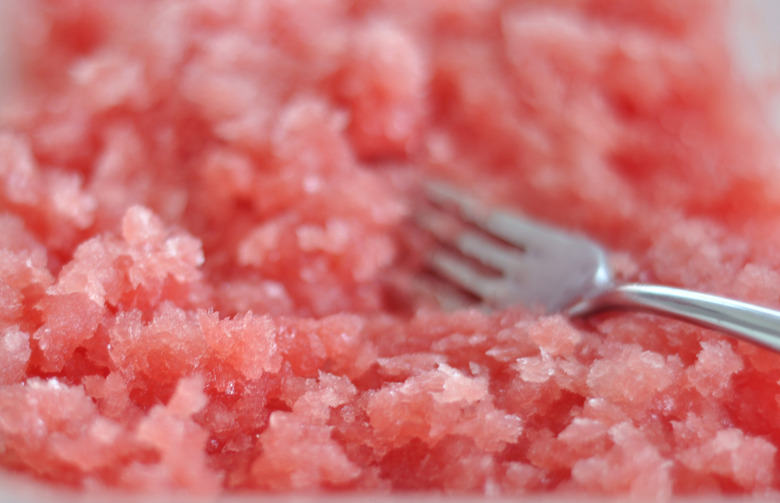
(754, 33)
(756, 40)
(5, 56)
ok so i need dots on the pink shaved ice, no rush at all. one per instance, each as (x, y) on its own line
(209, 282)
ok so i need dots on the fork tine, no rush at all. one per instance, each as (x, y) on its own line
(511, 228)
(488, 251)
(465, 276)
(491, 254)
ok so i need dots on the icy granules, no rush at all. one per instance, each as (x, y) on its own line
(208, 281)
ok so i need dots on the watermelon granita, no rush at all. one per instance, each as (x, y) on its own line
(209, 282)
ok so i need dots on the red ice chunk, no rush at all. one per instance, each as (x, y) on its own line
(583, 438)
(633, 465)
(758, 284)
(71, 205)
(299, 454)
(112, 396)
(93, 271)
(229, 174)
(247, 343)
(153, 356)
(15, 236)
(315, 398)
(10, 303)
(437, 403)
(260, 244)
(50, 426)
(21, 184)
(170, 431)
(68, 320)
(156, 253)
(555, 336)
(749, 461)
(14, 355)
(111, 80)
(346, 344)
(384, 85)
(404, 366)
(259, 296)
(188, 398)
(632, 376)
(108, 269)
(25, 272)
(715, 364)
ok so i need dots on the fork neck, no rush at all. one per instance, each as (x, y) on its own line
(749, 322)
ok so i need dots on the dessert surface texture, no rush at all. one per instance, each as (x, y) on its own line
(209, 282)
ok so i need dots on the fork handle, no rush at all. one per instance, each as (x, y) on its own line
(746, 321)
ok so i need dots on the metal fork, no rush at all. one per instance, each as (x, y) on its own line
(506, 259)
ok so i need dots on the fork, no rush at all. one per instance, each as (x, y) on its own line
(505, 258)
